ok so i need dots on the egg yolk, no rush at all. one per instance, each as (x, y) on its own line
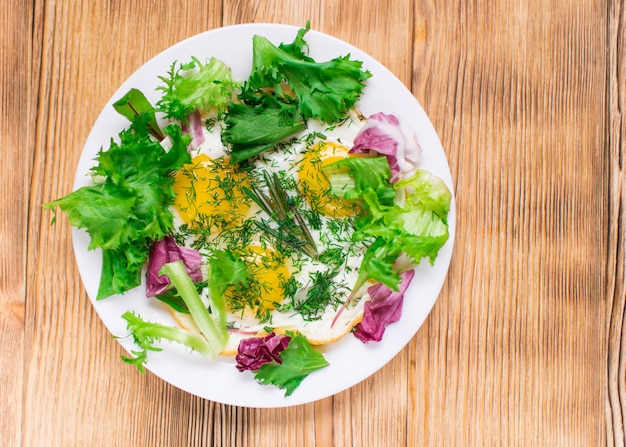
(267, 275)
(208, 193)
(314, 184)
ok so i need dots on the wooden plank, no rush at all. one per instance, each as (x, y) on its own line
(16, 126)
(616, 267)
(515, 348)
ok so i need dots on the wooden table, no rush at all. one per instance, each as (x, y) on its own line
(526, 343)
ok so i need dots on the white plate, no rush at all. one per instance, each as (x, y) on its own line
(350, 360)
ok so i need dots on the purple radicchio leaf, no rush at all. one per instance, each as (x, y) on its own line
(387, 135)
(383, 308)
(254, 352)
(165, 251)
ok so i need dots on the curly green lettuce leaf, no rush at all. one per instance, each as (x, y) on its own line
(324, 90)
(414, 222)
(129, 209)
(299, 359)
(194, 86)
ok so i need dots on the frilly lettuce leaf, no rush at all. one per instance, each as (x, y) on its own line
(129, 209)
(414, 222)
(194, 86)
(324, 90)
(298, 360)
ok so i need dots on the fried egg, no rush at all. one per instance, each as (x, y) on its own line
(209, 193)
(214, 211)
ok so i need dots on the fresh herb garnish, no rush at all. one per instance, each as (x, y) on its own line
(290, 227)
(323, 292)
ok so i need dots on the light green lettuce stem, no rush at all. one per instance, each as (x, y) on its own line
(216, 335)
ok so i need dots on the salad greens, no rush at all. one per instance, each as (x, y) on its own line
(213, 332)
(254, 127)
(137, 109)
(298, 360)
(286, 88)
(126, 212)
(408, 217)
(326, 90)
(196, 87)
(127, 209)
(211, 322)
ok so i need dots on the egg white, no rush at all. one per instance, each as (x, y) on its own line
(321, 330)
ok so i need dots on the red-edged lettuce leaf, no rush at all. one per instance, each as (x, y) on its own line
(163, 252)
(388, 135)
(383, 308)
(255, 352)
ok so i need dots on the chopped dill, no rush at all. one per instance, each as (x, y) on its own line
(210, 122)
(313, 218)
(334, 256)
(322, 293)
(291, 287)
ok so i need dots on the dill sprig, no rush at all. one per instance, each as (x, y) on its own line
(290, 227)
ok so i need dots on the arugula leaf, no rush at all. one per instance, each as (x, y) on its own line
(324, 90)
(299, 360)
(196, 86)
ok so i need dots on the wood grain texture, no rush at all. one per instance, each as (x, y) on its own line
(526, 344)
(616, 267)
(522, 327)
(16, 130)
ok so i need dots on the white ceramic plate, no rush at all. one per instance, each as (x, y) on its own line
(350, 360)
